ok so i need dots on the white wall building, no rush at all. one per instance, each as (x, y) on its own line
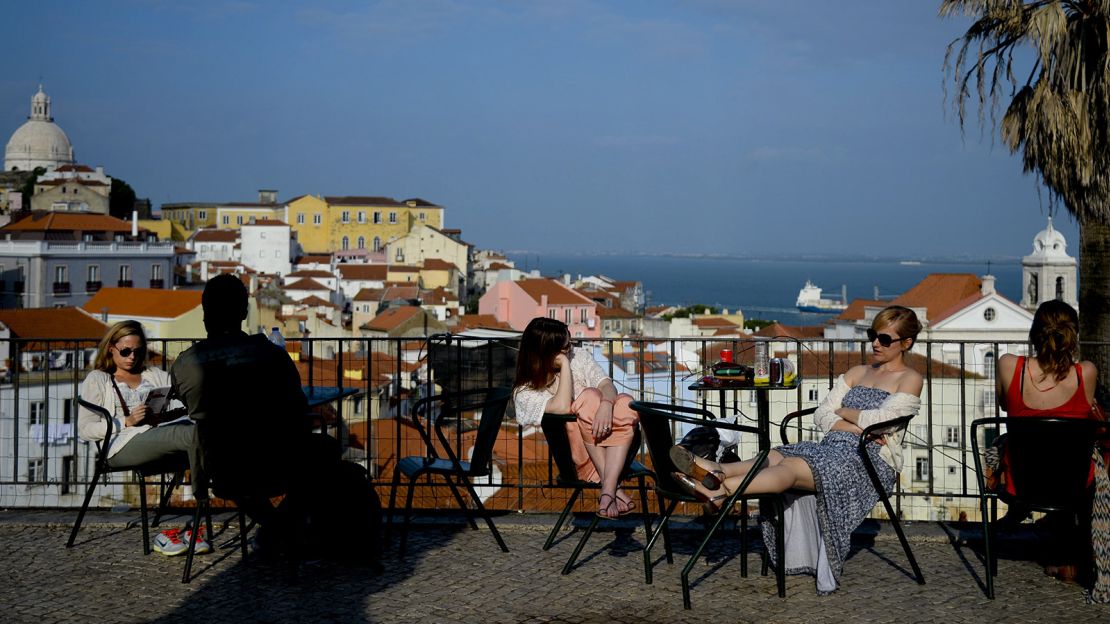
(266, 246)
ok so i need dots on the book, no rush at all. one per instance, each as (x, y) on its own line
(158, 399)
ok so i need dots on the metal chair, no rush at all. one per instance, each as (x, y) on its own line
(656, 420)
(868, 434)
(442, 411)
(1049, 463)
(558, 445)
(175, 464)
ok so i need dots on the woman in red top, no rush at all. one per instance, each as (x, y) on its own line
(1049, 384)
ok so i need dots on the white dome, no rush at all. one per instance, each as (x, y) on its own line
(1050, 243)
(39, 142)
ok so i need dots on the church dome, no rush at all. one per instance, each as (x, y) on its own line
(39, 142)
(1050, 243)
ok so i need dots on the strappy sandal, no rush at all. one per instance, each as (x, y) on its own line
(625, 507)
(712, 503)
(683, 459)
(602, 507)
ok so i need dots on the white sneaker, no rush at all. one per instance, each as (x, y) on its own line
(169, 543)
(202, 546)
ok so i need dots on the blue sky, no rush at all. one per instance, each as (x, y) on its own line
(559, 125)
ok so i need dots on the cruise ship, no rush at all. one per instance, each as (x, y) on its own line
(810, 300)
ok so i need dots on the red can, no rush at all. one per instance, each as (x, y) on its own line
(726, 355)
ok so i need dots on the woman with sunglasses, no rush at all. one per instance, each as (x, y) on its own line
(553, 376)
(819, 528)
(121, 382)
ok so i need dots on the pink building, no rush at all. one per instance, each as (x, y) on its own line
(517, 303)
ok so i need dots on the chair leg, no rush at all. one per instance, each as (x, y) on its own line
(407, 517)
(689, 567)
(84, 506)
(185, 576)
(142, 511)
(988, 553)
(644, 506)
(562, 518)
(665, 516)
(744, 539)
(581, 544)
(780, 547)
(392, 500)
(897, 524)
(462, 504)
(243, 530)
(485, 513)
(165, 494)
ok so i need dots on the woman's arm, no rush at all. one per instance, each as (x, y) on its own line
(825, 417)
(1090, 380)
(564, 387)
(90, 426)
(1003, 373)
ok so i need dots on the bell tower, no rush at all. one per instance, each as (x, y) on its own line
(1049, 272)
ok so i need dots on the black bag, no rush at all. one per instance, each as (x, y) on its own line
(346, 524)
(702, 441)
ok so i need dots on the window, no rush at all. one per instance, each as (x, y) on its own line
(377, 244)
(989, 314)
(300, 218)
(362, 242)
(67, 411)
(1060, 288)
(261, 253)
(125, 272)
(400, 256)
(35, 472)
(277, 253)
(317, 219)
(201, 215)
(952, 436)
(551, 313)
(61, 274)
(813, 395)
(1033, 289)
(38, 413)
(377, 217)
(421, 216)
(952, 470)
(362, 216)
(356, 405)
(227, 220)
(239, 220)
(345, 244)
(155, 271)
(93, 271)
(346, 217)
(585, 315)
(569, 314)
(261, 235)
(921, 469)
(393, 217)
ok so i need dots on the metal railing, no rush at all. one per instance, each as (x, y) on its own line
(43, 463)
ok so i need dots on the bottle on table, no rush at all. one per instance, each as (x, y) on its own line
(276, 337)
(762, 376)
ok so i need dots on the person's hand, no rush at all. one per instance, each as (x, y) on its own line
(138, 414)
(603, 420)
(562, 362)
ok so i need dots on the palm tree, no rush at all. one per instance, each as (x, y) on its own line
(1058, 118)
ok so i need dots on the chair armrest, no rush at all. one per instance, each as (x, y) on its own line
(872, 431)
(562, 417)
(791, 416)
(692, 415)
(100, 411)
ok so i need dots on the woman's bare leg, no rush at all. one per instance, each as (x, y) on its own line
(609, 460)
(789, 473)
(740, 468)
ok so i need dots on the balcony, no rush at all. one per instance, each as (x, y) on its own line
(124, 283)
(91, 287)
(61, 288)
(157, 283)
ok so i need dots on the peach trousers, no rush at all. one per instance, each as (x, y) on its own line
(581, 432)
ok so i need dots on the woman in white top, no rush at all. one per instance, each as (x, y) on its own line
(121, 383)
(552, 376)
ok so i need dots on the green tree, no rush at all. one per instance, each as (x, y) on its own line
(1057, 118)
(121, 200)
(28, 188)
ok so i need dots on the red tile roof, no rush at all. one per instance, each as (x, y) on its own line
(81, 168)
(714, 322)
(305, 284)
(68, 222)
(396, 268)
(363, 272)
(605, 312)
(369, 294)
(313, 300)
(60, 323)
(942, 294)
(776, 330)
(390, 318)
(362, 200)
(855, 309)
(437, 264)
(212, 235)
(272, 222)
(480, 321)
(557, 294)
(311, 273)
(145, 302)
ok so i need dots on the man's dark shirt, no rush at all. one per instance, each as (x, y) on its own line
(245, 395)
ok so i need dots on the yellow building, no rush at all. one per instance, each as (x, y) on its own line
(189, 217)
(331, 223)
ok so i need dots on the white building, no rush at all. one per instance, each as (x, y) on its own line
(39, 142)
(266, 245)
(1049, 272)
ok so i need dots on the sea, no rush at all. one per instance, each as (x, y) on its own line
(765, 288)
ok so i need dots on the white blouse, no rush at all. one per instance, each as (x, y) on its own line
(531, 403)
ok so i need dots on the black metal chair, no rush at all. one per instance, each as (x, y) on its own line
(870, 433)
(442, 411)
(1049, 464)
(558, 445)
(175, 464)
(656, 420)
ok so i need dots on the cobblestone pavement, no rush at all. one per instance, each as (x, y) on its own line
(454, 574)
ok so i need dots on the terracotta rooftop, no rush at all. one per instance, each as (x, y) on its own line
(606, 312)
(855, 309)
(305, 284)
(61, 181)
(397, 268)
(941, 294)
(777, 330)
(557, 294)
(422, 202)
(212, 235)
(369, 294)
(311, 273)
(437, 264)
(314, 258)
(313, 300)
(269, 222)
(69, 222)
(363, 272)
(362, 200)
(713, 322)
(59, 323)
(143, 302)
(80, 168)
(390, 318)
(480, 321)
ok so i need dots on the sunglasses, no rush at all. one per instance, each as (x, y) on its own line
(884, 339)
(127, 351)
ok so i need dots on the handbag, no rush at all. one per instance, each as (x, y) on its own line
(702, 441)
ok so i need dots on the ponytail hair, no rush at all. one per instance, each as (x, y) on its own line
(1055, 338)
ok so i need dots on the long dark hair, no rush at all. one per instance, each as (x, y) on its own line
(543, 339)
(1055, 338)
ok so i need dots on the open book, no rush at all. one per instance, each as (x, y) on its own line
(158, 399)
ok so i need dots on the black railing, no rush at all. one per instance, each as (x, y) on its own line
(124, 283)
(92, 287)
(157, 283)
(937, 479)
(61, 288)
